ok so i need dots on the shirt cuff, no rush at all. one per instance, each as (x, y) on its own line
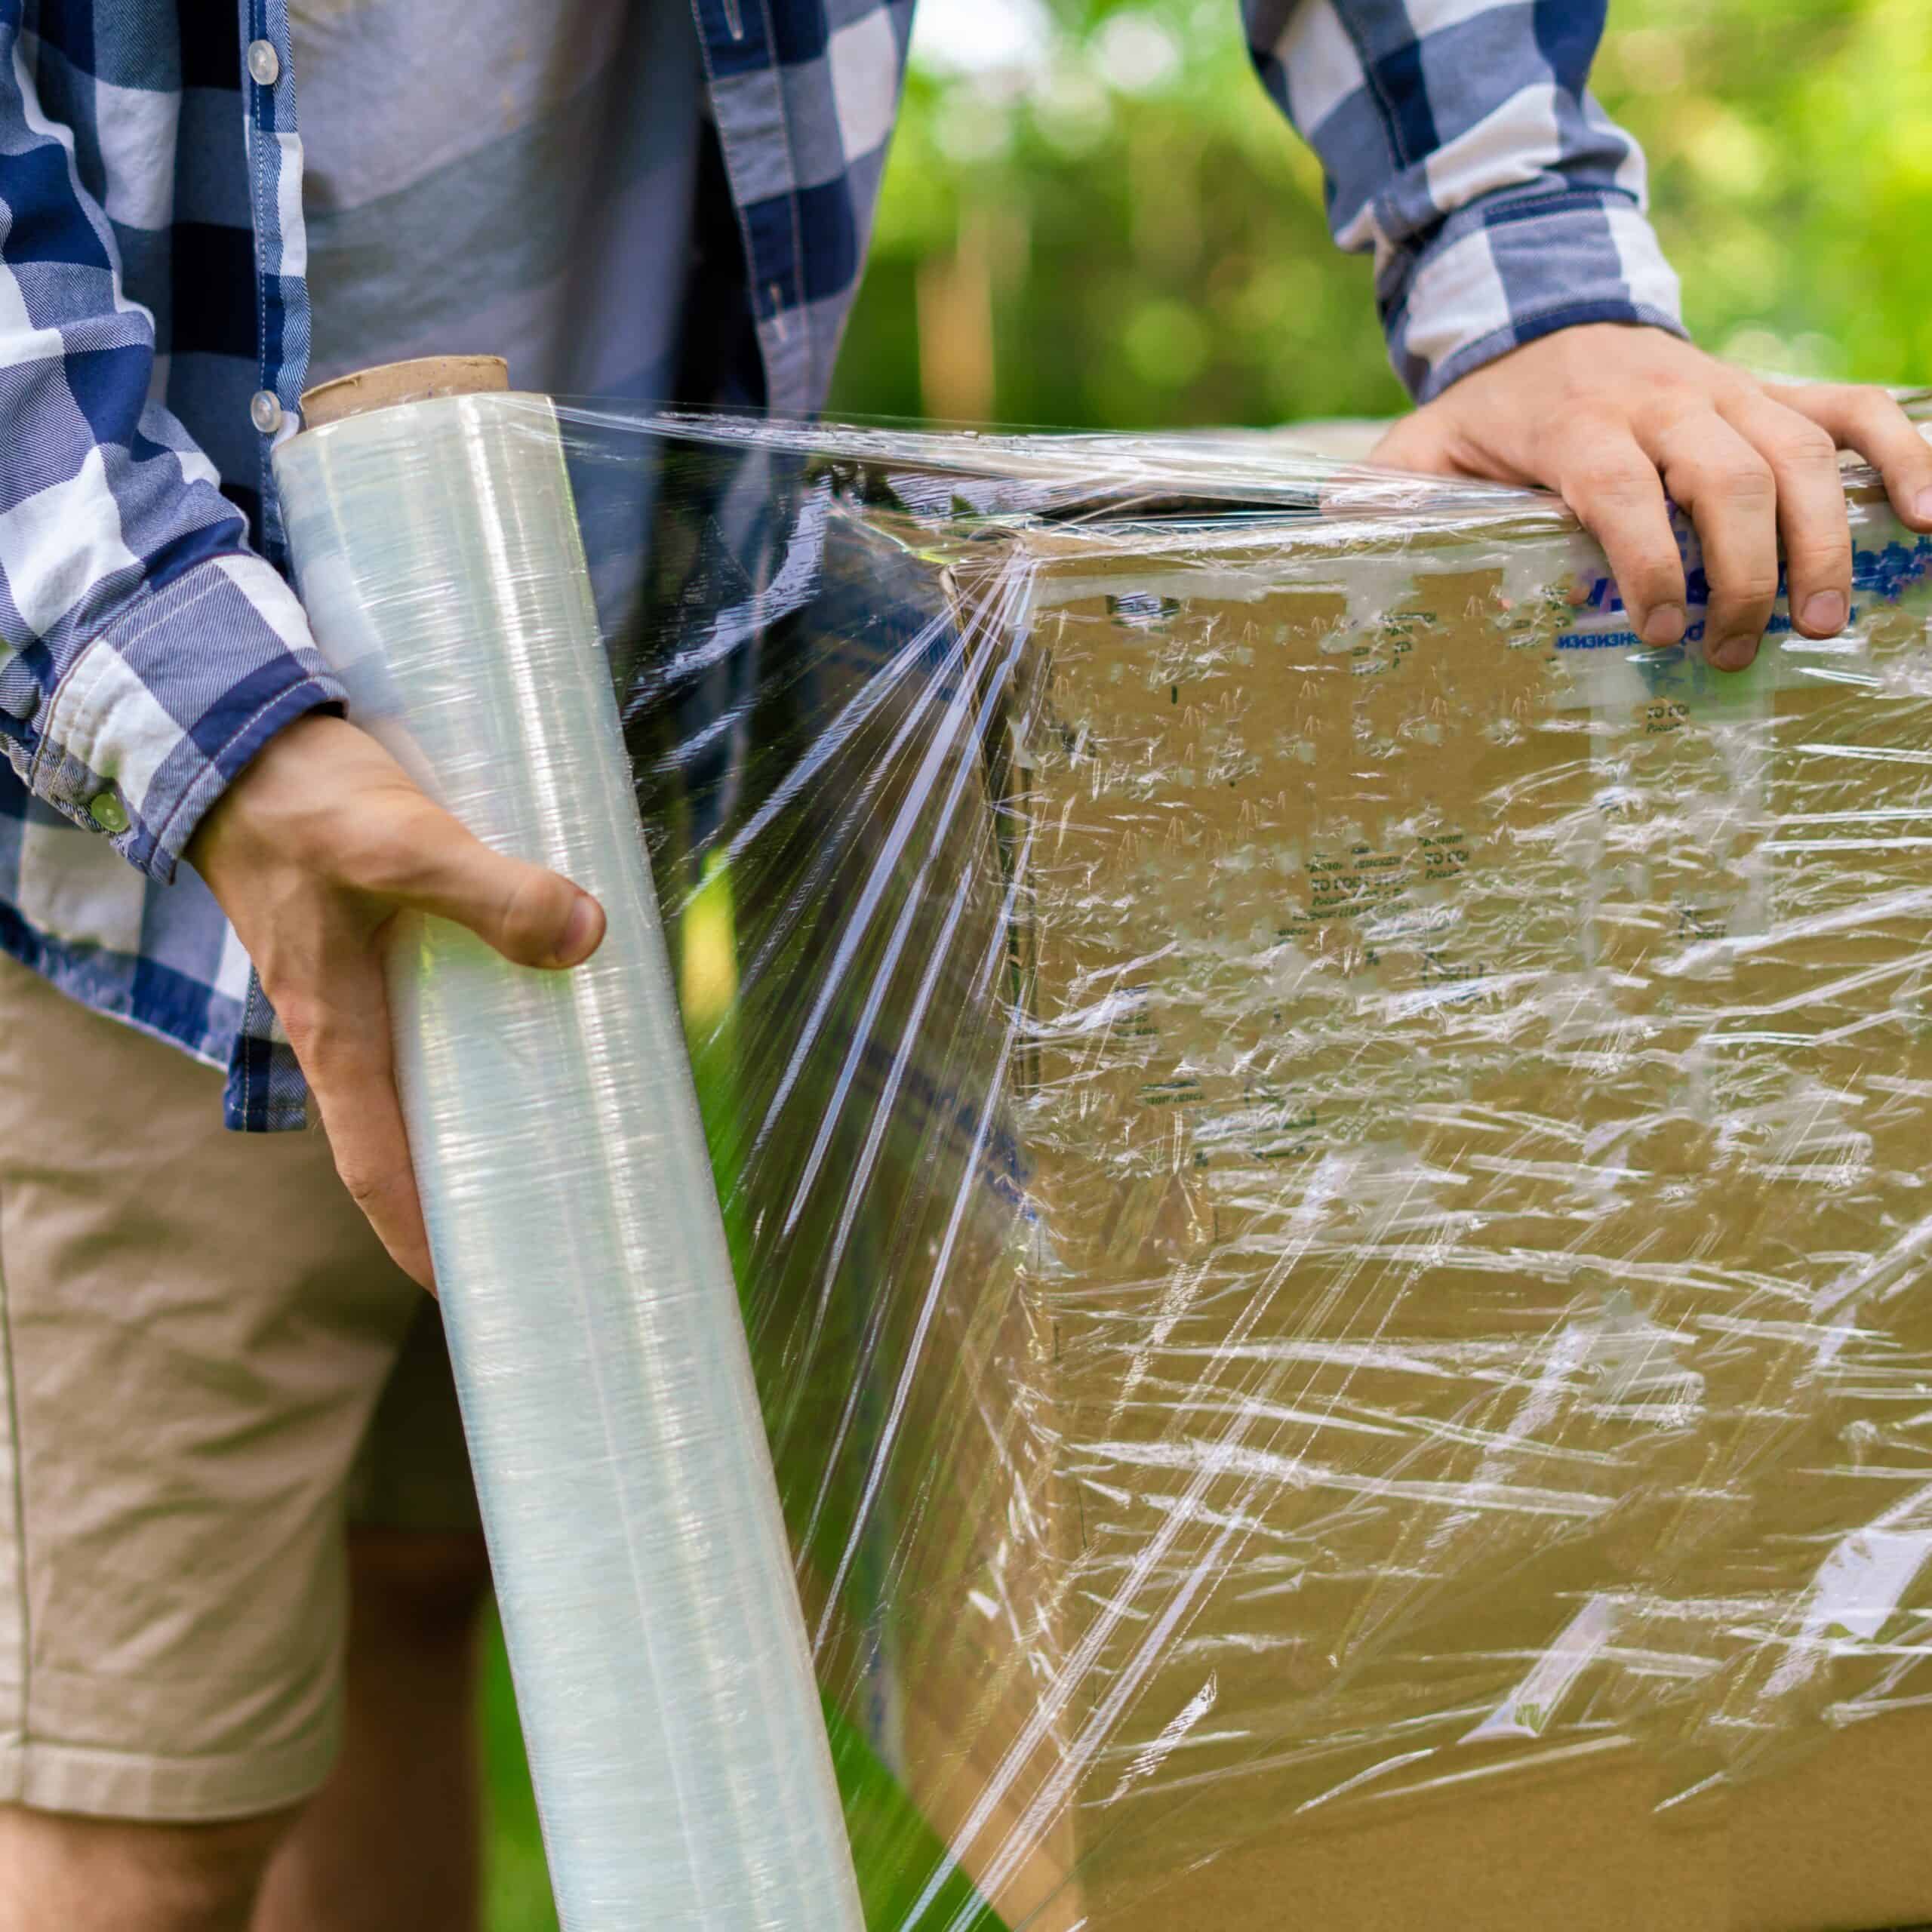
(161, 710)
(1507, 269)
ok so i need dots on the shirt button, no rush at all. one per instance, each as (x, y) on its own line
(264, 62)
(264, 412)
(108, 812)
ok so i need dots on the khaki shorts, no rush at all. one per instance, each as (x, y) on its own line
(209, 1368)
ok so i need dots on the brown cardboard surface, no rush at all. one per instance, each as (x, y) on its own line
(1840, 1841)
(1359, 920)
(1837, 1844)
(1583, 1853)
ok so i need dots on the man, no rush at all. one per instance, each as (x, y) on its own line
(219, 1709)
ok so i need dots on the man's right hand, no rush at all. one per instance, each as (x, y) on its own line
(311, 853)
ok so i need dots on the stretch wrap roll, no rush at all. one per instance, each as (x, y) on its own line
(662, 1670)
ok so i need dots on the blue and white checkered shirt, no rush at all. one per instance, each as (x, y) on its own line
(154, 342)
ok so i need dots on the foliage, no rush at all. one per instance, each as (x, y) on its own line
(1112, 227)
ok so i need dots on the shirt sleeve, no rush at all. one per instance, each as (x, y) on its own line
(1462, 147)
(145, 653)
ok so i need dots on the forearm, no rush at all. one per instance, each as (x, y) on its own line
(145, 655)
(1463, 149)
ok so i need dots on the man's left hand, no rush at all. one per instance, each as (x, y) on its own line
(1612, 417)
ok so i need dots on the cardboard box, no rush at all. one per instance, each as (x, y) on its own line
(1375, 1362)
(1475, 1083)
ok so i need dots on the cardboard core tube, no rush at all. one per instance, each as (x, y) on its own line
(390, 383)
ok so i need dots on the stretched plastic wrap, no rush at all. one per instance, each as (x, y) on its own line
(1324, 1158)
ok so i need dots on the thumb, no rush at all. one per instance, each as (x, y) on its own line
(1413, 447)
(531, 916)
(1419, 442)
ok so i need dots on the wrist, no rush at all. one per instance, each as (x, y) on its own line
(289, 780)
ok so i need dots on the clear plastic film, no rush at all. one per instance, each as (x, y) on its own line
(588, 1296)
(1323, 1158)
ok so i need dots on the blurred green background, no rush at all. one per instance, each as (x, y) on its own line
(1094, 218)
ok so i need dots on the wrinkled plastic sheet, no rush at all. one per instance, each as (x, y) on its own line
(1325, 1155)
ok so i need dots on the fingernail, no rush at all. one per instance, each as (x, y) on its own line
(1922, 506)
(1734, 653)
(579, 931)
(1826, 612)
(1664, 626)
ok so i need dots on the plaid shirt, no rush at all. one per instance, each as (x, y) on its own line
(154, 336)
